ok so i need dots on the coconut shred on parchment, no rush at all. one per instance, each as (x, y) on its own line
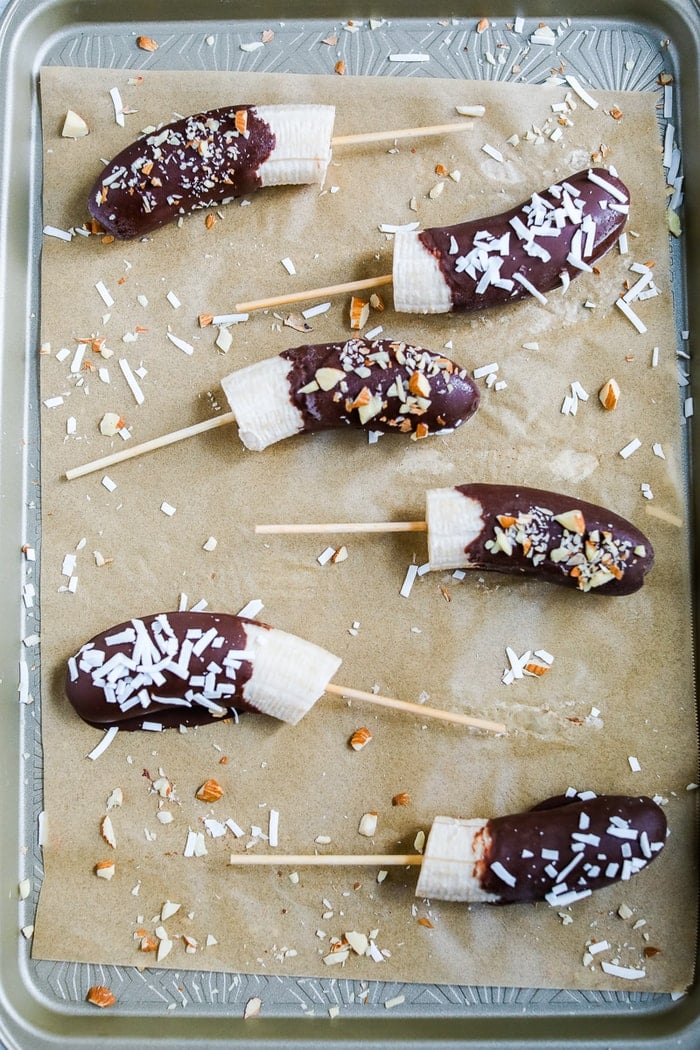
(613, 712)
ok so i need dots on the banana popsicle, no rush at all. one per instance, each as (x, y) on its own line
(522, 531)
(194, 668)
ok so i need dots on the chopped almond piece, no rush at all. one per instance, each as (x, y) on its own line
(419, 384)
(376, 302)
(210, 791)
(536, 669)
(107, 832)
(359, 312)
(368, 824)
(210, 220)
(104, 869)
(609, 395)
(402, 799)
(146, 43)
(241, 120)
(99, 995)
(426, 922)
(572, 521)
(340, 67)
(363, 398)
(360, 738)
(327, 378)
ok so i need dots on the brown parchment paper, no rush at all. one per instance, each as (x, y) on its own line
(627, 659)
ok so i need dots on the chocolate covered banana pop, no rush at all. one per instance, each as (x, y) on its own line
(384, 385)
(520, 530)
(560, 851)
(192, 668)
(539, 245)
(210, 158)
(526, 251)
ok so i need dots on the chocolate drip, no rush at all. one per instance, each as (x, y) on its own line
(197, 162)
(380, 368)
(611, 556)
(87, 694)
(452, 244)
(582, 845)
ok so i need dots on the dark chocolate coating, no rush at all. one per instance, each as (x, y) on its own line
(608, 540)
(614, 836)
(543, 274)
(377, 367)
(197, 162)
(89, 699)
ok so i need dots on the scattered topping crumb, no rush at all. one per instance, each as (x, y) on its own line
(74, 127)
(252, 1008)
(146, 43)
(360, 738)
(100, 995)
(368, 824)
(609, 395)
(210, 791)
(105, 869)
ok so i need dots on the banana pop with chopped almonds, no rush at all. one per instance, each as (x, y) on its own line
(383, 385)
(521, 531)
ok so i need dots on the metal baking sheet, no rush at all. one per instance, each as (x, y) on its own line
(42, 1004)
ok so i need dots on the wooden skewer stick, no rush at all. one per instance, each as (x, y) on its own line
(415, 709)
(344, 526)
(129, 452)
(379, 860)
(315, 293)
(401, 133)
